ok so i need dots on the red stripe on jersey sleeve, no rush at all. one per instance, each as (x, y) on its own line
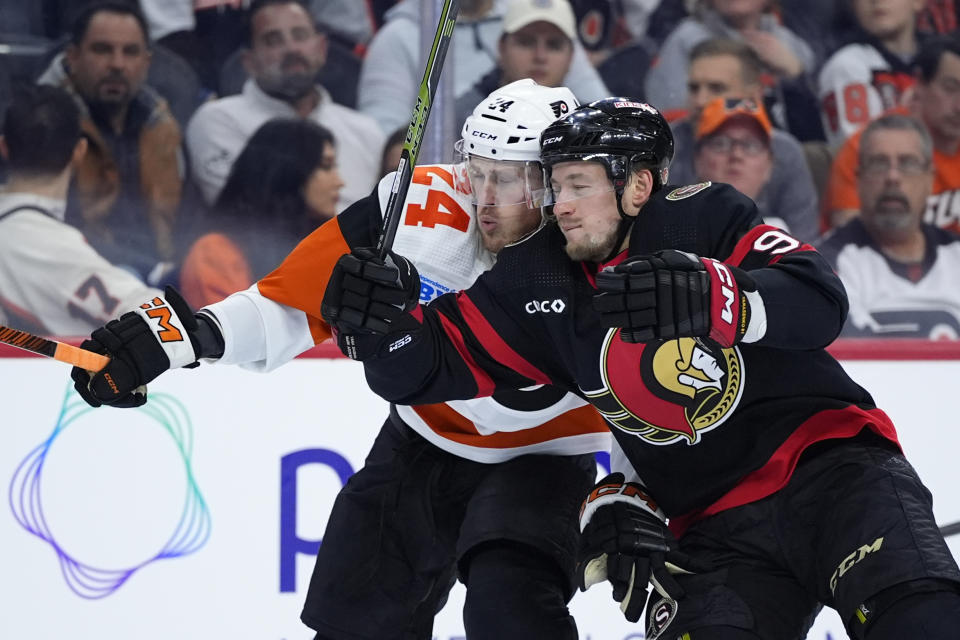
(485, 386)
(767, 239)
(496, 345)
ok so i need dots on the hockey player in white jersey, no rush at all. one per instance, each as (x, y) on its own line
(51, 280)
(445, 490)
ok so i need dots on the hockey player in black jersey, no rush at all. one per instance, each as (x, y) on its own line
(699, 333)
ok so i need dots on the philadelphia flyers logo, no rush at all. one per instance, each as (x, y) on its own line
(667, 391)
(157, 309)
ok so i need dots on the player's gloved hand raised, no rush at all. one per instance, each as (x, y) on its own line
(625, 539)
(674, 294)
(141, 345)
(367, 302)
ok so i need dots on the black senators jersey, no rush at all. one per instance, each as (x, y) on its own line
(706, 428)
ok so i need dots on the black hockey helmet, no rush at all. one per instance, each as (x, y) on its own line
(620, 133)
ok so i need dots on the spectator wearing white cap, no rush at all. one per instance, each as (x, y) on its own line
(537, 42)
(392, 68)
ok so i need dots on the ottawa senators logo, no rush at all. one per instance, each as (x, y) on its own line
(667, 391)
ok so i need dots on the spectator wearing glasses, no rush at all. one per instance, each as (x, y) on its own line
(725, 68)
(899, 272)
(734, 145)
(936, 103)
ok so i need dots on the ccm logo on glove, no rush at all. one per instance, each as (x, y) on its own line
(604, 493)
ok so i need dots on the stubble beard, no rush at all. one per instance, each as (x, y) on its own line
(592, 248)
(287, 87)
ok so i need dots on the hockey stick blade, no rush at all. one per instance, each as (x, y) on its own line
(52, 349)
(418, 123)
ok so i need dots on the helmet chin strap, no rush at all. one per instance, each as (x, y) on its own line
(623, 227)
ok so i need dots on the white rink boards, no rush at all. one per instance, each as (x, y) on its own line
(195, 519)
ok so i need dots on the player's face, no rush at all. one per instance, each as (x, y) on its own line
(585, 205)
(886, 18)
(939, 100)
(539, 51)
(738, 154)
(287, 52)
(712, 77)
(894, 181)
(323, 186)
(110, 64)
(506, 195)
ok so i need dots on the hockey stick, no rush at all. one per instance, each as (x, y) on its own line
(52, 349)
(951, 529)
(418, 123)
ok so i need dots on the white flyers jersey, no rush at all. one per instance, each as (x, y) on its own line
(53, 282)
(892, 299)
(856, 85)
(279, 318)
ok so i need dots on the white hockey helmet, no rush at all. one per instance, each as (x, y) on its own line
(507, 124)
(505, 129)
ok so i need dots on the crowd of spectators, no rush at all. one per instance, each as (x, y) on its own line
(195, 142)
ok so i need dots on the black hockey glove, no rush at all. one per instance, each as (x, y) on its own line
(674, 294)
(141, 345)
(367, 302)
(625, 539)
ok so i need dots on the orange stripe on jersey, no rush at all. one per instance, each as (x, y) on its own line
(449, 424)
(302, 277)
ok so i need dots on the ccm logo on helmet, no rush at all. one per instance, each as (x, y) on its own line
(549, 140)
(545, 306)
(483, 134)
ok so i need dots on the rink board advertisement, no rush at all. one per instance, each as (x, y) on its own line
(198, 515)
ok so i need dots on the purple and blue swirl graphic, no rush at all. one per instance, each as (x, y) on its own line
(189, 533)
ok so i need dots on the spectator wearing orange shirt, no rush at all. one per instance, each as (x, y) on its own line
(936, 103)
(284, 184)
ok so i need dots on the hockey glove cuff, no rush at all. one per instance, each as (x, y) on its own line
(625, 540)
